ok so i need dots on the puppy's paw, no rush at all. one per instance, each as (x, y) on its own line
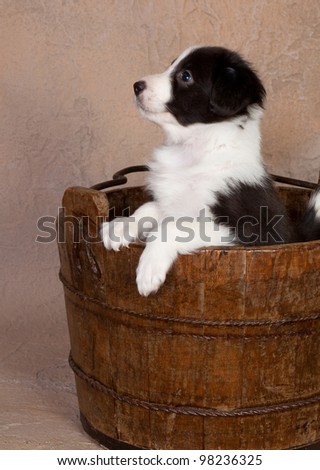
(152, 270)
(120, 232)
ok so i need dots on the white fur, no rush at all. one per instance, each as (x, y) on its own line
(315, 204)
(197, 160)
(185, 172)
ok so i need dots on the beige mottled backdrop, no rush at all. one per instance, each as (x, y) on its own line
(67, 118)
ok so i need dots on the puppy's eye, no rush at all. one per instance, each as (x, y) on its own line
(186, 76)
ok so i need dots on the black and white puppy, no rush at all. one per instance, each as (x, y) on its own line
(208, 181)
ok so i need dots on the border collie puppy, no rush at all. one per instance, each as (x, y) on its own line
(208, 182)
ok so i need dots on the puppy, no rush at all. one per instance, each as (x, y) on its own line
(208, 182)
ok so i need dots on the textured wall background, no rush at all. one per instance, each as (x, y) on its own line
(67, 118)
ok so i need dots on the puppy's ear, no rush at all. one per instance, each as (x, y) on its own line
(234, 89)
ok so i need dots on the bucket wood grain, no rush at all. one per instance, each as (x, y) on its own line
(224, 356)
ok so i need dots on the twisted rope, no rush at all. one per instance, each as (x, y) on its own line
(190, 321)
(190, 410)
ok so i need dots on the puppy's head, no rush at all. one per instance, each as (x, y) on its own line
(204, 85)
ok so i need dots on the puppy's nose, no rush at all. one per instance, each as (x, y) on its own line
(139, 87)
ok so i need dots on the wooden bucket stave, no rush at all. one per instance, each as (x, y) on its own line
(226, 355)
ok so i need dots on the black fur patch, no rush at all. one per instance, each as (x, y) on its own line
(223, 86)
(255, 213)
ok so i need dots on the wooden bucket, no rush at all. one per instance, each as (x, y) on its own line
(225, 356)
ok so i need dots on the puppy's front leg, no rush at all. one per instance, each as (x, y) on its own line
(158, 256)
(171, 239)
(124, 230)
(155, 261)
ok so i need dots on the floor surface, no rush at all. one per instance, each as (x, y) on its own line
(38, 403)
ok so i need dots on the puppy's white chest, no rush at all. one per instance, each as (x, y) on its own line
(179, 184)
